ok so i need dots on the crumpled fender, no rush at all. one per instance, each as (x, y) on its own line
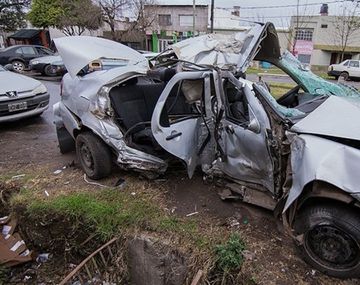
(314, 158)
(64, 118)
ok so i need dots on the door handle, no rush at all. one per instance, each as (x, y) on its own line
(173, 135)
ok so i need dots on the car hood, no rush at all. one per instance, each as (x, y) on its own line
(230, 51)
(78, 51)
(46, 59)
(337, 117)
(11, 81)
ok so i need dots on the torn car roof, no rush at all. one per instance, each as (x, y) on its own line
(227, 51)
(79, 51)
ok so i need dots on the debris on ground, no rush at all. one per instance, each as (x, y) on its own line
(93, 183)
(56, 172)
(95, 265)
(13, 250)
(16, 177)
(42, 257)
(120, 182)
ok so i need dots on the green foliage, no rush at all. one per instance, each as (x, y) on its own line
(3, 275)
(109, 211)
(229, 256)
(12, 15)
(45, 13)
(71, 16)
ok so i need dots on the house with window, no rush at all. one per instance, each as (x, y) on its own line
(316, 40)
(175, 23)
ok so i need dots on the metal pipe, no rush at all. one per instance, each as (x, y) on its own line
(212, 16)
(194, 10)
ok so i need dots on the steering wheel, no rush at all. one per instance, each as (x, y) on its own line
(287, 95)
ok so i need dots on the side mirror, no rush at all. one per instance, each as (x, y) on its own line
(9, 67)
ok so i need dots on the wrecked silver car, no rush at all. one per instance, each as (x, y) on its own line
(298, 156)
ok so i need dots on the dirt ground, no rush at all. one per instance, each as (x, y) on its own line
(32, 144)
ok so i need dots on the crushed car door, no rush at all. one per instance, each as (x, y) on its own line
(177, 116)
(243, 136)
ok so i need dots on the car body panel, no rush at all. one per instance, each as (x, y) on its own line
(11, 81)
(226, 51)
(72, 51)
(314, 158)
(185, 133)
(336, 117)
(247, 154)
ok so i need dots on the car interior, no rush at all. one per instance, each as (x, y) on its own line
(134, 102)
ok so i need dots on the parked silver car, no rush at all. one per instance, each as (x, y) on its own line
(21, 96)
(51, 65)
(298, 156)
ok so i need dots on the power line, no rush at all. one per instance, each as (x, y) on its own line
(291, 5)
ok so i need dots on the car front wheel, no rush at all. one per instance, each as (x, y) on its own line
(18, 65)
(94, 155)
(345, 75)
(331, 239)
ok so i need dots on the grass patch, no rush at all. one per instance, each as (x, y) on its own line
(229, 256)
(278, 89)
(272, 70)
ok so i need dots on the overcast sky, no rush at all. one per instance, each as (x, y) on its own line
(279, 16)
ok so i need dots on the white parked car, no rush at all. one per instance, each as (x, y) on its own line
(346, 69)
(21, 96)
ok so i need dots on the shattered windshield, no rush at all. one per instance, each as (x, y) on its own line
(284, 111)
(312, 83)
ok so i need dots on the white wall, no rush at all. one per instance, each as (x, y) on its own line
(319, 57)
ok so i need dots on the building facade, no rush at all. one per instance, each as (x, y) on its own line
(175, 23)
(317, 40)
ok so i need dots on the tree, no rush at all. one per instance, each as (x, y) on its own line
(345, 25)
(112, 11)
(79, 16)
(144, 16)
(12, 15)
(73, 17)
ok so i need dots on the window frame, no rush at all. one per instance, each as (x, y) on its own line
(163, 22)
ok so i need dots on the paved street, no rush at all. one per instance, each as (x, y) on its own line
(33, 140)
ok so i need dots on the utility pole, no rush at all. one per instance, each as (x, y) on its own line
(194, 11)
(212, 17)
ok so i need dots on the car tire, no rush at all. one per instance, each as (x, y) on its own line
(66, 141)
(344, 75)
(18, 65)
(94, 155)
(331, 239)
(48, 71)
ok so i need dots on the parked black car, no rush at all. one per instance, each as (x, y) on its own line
(20, 55)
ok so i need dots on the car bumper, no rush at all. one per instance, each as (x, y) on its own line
(333, 73)
(35, 106)
(37, 67)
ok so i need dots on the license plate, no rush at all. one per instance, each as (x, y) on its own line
(17, 106)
